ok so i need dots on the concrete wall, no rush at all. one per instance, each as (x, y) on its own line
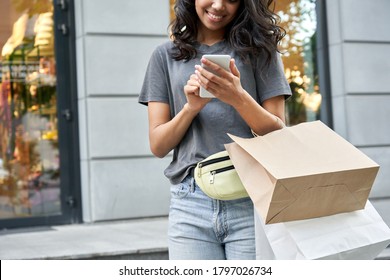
(359, 45)
(120, 177)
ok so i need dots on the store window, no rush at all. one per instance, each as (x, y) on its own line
(298, 18)
(29, 152)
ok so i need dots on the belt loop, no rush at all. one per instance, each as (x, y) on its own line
(192, 186)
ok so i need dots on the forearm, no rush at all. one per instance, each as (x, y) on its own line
(262, 120)
(166, 136)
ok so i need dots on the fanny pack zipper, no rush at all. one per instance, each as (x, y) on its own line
(219, 170)
(214, 160)
(210, 161)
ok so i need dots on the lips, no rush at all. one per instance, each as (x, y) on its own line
(214, 17)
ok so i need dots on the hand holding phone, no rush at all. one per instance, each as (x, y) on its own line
(222, 60)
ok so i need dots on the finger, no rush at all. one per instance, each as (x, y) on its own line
(205, 76)
(193, 82)
(203, 80)
(194, 77)
(233, 68)
(189, 89)
(217, 69)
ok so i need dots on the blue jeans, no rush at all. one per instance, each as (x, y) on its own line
(202, 228)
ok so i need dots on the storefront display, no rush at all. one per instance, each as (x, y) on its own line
(29, 153)
(298, 18)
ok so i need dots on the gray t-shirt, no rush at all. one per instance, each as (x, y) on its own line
(164, 81)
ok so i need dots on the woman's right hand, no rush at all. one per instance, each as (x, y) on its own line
(165, 132)
(191, 90)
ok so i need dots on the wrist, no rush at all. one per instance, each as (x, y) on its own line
(243, 101)
(190, 110)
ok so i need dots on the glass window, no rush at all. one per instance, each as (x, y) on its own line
(299, 58)
(298, 18)
(29, 154)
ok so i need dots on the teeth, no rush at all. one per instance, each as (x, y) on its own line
(215, 16)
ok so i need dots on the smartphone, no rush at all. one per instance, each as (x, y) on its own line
(222, 60)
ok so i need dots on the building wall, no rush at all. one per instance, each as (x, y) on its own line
(120, 177)
(359, 47)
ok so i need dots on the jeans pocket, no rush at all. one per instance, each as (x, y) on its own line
(180, 190)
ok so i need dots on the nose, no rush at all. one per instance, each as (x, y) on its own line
(218, 4)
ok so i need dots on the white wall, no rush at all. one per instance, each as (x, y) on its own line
(359, 45)
(120, 177)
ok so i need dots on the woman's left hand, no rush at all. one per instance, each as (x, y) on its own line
(225, 85)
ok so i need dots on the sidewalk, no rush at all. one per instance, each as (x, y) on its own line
(134, 239)
(143, 239)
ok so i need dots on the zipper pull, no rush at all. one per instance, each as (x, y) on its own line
(199, 168)
(212, 177)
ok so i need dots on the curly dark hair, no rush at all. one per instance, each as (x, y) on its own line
(254, 30)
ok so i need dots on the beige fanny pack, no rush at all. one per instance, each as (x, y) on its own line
(218, 179)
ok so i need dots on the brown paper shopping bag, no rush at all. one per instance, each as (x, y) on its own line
(304, 171)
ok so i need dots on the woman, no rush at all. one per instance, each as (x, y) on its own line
(249, 97)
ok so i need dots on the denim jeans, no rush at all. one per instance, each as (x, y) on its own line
(202, 228)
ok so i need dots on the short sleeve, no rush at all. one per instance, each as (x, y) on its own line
(155, 86)
(272, 81)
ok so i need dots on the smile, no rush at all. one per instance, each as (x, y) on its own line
(214, 17)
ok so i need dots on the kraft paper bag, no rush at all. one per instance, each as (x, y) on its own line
(357, 235)
(301, 172)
